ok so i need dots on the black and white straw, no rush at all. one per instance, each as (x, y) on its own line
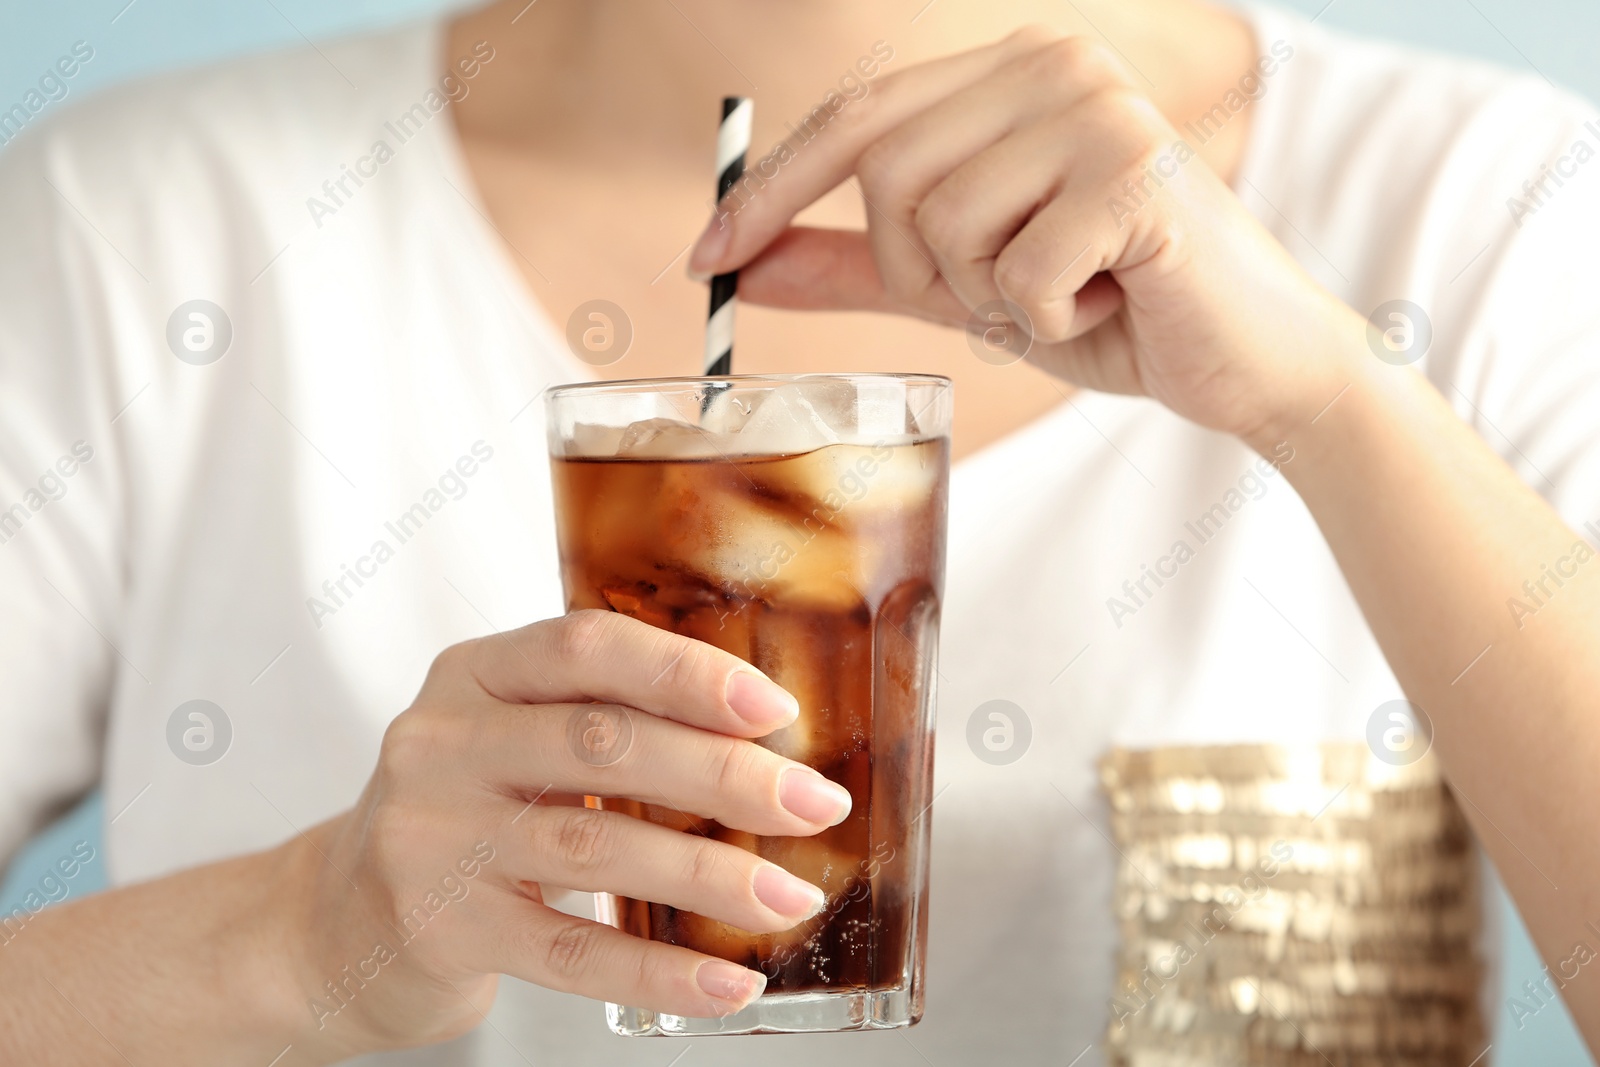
(733, 142)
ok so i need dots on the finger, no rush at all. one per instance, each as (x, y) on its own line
(902, 168)
(609, 852)
(608, 751)
(760, 210)
(1076, 236)
(1097, 359)
(1099, 299)
(606, 656)
(562, 952)
(975, 212)
(810, 269)
(832, 270)
(897, 172)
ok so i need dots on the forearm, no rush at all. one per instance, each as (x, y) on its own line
(189, 969)
(1436, 537)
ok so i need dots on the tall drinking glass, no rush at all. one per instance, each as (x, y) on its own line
(797, 522)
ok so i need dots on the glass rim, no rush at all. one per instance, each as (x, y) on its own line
(663, 385)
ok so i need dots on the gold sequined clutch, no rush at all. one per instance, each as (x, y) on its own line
(1289, 906)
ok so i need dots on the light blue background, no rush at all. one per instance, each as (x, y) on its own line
(1558, 39)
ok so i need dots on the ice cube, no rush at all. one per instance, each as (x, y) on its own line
(830, 483)
(784, 423)
(726, 940)
(836, 871)
(786, 648)
(881, 408)
(668, 439)
(763, 553)
(593, 440)
(721, 624)
(723, 412)
(714, 938)
(833, 869)
(822, 863)
(904, 477)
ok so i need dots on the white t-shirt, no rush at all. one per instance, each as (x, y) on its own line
(207, 503)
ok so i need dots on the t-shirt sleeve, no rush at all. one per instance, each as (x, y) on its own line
(1526, 374)
(61, 510)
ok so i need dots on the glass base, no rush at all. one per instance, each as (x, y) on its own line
(780, 1013)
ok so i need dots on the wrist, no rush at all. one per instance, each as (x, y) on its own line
(283, 937)
(1381, 422)
(1334, 371)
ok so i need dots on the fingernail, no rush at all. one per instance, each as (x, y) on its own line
(760, 701)
(711, 246)
(806, 793)
(729, 981)
(787, 895)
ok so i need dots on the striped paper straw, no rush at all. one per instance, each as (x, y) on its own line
(733, 141)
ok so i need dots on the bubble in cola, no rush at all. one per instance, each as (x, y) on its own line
(757, 530)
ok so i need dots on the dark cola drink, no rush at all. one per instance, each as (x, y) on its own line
(823, 566)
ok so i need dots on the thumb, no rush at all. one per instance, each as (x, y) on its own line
(810, 269)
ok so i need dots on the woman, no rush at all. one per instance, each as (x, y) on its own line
(387, 235)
